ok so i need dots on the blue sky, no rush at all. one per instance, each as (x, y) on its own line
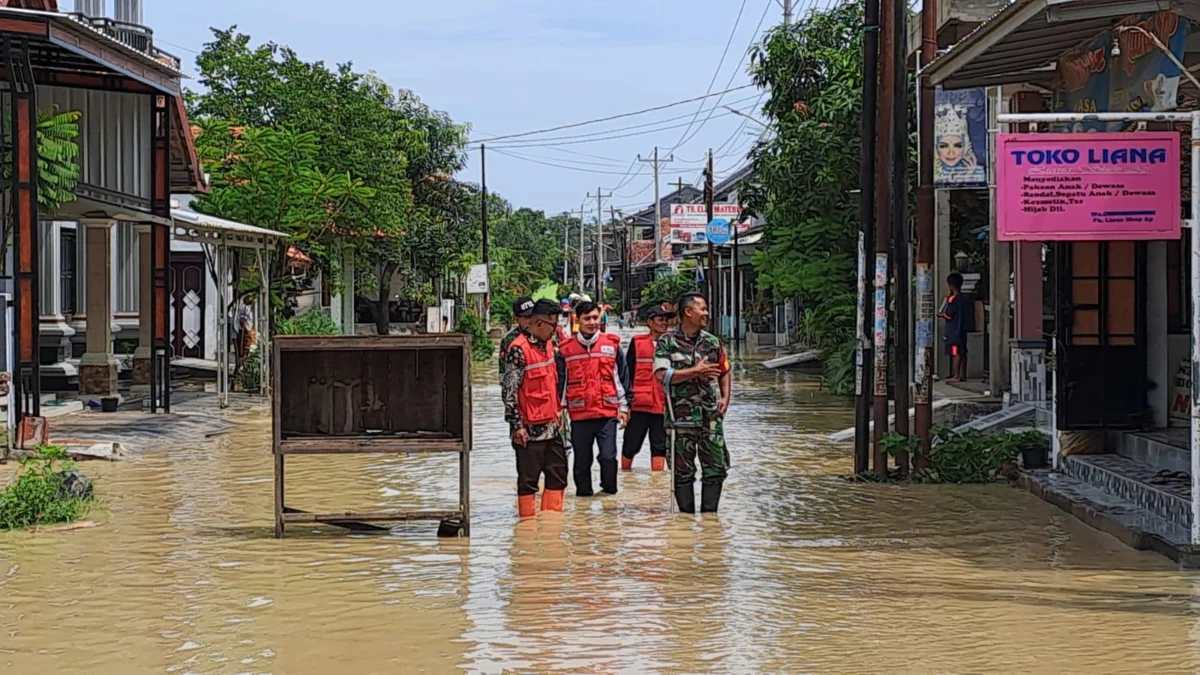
(508, 66)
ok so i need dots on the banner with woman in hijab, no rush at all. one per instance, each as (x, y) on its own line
(960, 138)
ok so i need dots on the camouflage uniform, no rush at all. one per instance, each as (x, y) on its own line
(692, 412)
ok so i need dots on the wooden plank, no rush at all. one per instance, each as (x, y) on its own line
(279, 507)
(371, 342)
(361, 446)
(293, 516)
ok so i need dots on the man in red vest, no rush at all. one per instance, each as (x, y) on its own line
(646, 394)
(532, 394)
(591, 365)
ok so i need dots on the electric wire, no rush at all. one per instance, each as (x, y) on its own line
(717, 72)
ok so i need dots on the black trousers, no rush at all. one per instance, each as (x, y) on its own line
(641, 423)
(603, 433)
(536, 458)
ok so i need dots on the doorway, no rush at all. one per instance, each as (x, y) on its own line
(187, 304)
(1101, 348)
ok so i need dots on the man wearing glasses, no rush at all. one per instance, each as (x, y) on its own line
(532, 393)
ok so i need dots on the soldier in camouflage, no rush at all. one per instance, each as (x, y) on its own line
(693, 366)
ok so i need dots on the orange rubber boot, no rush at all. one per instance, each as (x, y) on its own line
(658, 463)
(552, 500)
(527, 505)
(626, 463)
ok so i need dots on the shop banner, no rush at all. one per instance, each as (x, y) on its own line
(689, 222)
(1100, 186)
(960, 138)
(1140, 77)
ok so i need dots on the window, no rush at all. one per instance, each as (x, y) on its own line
(68, 258)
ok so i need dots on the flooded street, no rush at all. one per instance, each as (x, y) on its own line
(800, 572)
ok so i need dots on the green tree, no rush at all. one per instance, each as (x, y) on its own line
(813, 72)
(668, 288)
(271, 178)
(58, 170)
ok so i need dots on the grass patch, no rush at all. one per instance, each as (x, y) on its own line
(46, 491)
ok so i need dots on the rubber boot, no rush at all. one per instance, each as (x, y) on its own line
(710, 497)
(685, 497)
(527, 505)
(608, 476)
(658, 463)
(552, 500)
(626, 463)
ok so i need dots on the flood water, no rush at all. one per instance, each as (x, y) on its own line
(800, 572)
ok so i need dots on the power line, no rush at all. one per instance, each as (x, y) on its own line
(757, 31)
(568, 167)
(717, 72)
(545, 143)
(612, 117)
(602, 132)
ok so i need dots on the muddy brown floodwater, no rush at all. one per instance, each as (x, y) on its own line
(801, 572)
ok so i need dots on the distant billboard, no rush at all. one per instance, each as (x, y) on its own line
(690, 221)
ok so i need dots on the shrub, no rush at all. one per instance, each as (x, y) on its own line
(313, 322)
(46, 490)
(969, 456)
(481, 344)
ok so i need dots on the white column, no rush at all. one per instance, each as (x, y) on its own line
(98, 368)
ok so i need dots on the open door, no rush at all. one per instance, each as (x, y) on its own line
(1101, 349)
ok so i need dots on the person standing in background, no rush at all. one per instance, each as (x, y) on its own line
(522, 315)
(959, 314)
(646, 397)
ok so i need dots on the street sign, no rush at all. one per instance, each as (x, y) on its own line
(718, 232)
(477, 279)
(688, 222)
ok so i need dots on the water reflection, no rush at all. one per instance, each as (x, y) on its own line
(800, 572)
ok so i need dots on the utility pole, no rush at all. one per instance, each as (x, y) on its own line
(866, 236)
(656, 163)
(926, 231)
(487, 295)
(902, 260)
(566, 243)
(787, 12)
(736, 314)
(581, 212)
(710, 279)
(600, 196)
(883, 230)
(619, 236)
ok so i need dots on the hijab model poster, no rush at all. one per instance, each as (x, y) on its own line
(960, 138)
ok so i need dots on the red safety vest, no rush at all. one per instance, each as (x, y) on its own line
(647, 392)
(591, 387)
(537, 398)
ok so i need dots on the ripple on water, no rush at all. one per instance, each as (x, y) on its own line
(801, 572)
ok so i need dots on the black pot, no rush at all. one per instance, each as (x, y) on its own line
(1035, 457)
(108, 404)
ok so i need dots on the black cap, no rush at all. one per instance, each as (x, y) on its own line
(523, 306)
(545, 308)
(661, 309)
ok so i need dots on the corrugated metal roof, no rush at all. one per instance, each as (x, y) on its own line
(184, 218)
(1023, 41)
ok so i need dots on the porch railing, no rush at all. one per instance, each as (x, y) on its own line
(132, 35)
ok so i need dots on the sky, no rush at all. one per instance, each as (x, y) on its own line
(511, 66)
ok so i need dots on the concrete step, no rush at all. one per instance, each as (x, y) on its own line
(1133, 526)
(1154, 448)
(1131, 482)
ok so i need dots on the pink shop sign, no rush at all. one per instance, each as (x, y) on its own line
(1087, 186)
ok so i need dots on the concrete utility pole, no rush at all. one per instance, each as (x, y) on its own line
(566, 242)
(884, 149)
(714, 313)
(787, 12)
(581, 212)
(866, 237)
(901, 263)
(926, 217)
(483, 209)
(656, 163)
(600, 197)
